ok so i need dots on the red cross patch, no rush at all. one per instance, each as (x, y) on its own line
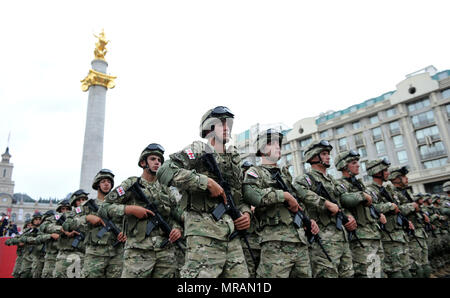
(253, 174)
(190, 154)
(120, 191)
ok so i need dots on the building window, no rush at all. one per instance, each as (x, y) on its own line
(305, 142)
(340, 130)
(291, 171)
(422, 119)
(418, 105)
(435, 163)
(4, 172)
(362, 152)
(437, 149)
(402, 156)
(359, 139)
(394, 127)
(376, 133)
(391, 112)
(27, 216)
(380, 147)
(289, 157)
(432, 132)
(287, 146)
(447, 107)
(398, 141)
(356, 125)
(323, 134)
(342, 144)
(446, 93)
(363, 165)
(306, 166)
(373, 119)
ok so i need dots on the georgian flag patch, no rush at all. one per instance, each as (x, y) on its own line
(190, 153)
(120, 191)
(308, 180)
(57, 216)
(253, 174)
(78, 210)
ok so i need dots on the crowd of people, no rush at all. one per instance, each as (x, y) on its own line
(206, 213)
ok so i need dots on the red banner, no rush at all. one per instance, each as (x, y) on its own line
(7, 258)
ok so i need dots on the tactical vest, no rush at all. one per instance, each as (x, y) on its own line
(360, 212)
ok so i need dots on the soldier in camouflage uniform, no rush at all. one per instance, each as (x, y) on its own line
(26, 270)
(428, 209)
(446, 212)
(325, 208)
(50, 227)
(367, 260)
(210, 252)
(146, 255)
(418, 249)
(101, 258)
(440, 242)
(69, 260)
(284, 246)
(20, 248)
(394, 239)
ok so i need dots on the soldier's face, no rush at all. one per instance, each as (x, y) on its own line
(272, 151)
(385, 174)
(36, 221)
(105, 185)
(325, 157)
(154, 162)
(222, 130)
(353, 167)
(77, 203)
(64, 209)
(404, 180)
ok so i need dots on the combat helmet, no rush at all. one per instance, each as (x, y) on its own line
(265, 137)
(63, 203)
(78, 195)
(419, 196)
(246, 165)
(47, 214)
(377, 165)
(398, 171)
(27, 221)
(209, 119)
(435, 198)
(344, 158)
(315, 148)
(103, 174)
(151, 149)
(446, 187)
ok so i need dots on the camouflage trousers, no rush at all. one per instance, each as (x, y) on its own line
(340, 254)
(49, 266)
(17, 266)
(180, 259)
(68, 264)
(102, 266)
(212, 258)
(251, 266)
(37, 266)
(147, 263)
(436, 249)
(284, 259)
(396, 258)
(368, 260)
(26, 266)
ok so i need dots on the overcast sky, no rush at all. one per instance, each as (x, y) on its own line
(268, 61)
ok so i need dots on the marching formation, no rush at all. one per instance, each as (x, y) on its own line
(205, 213)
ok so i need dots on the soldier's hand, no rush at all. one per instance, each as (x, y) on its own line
(332, 207)
(368, 199)
(383, 219)
(94, 220)
(396, 210)
(426, 218)
(243, 222)
(314, 227)
(411, 226)
(70, 234)
(174, 235)
(54, 236)
(121, 237)
(216, 190)
(292, 202)
(138, 211)
(351, 225)
(416, 206)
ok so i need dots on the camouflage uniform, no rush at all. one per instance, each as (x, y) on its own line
(334, 239)
(51, 250)
(396, 258)
(209, 252)
(143, 256)
(19, 251)
(31, 247)
(367, 260)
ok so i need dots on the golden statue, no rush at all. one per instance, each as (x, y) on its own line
(100, 46)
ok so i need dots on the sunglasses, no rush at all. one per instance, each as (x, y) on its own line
(155, 147)
(80, 192)
(352, 153)
(106, 171)
(219, 111)
(322, 143)
(384, 161)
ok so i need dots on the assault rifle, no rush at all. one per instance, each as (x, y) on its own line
(428, 227)
(341, 218)
(109, 225)
(401, 219)
(78, 238)
(300, 218)
(230, 207)
(157, 220)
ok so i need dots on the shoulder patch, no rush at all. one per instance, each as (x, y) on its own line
(253, 174)
(343, 186)
(78, 210)
(57, 216)
(308, 180)
(189, 153)
(120, 191)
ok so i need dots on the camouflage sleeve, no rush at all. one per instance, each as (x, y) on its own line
(31, 239)
(255, 194)
(41, 238)
(175, 210)
(303, 183)
(407, 208)
(53, 227)
(116, 200)
(352, 199)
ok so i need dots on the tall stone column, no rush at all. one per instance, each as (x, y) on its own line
(97, 82)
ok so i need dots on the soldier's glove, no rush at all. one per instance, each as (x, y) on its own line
(138, 211)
